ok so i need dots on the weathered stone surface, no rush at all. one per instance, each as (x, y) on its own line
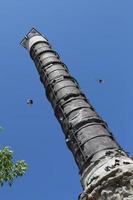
(106, 170)
(110, 179)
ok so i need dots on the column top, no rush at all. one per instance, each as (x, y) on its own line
(32, 37)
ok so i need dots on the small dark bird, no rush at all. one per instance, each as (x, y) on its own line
(100, 81)
(30, 102)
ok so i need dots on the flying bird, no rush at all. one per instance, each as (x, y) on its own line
(30, 102)
(100, 81)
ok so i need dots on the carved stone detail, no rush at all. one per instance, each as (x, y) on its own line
(112, 180)
(119, 191)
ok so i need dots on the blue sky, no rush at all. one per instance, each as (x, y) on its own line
(95, 39)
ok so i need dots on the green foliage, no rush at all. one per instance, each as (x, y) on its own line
(8, 169)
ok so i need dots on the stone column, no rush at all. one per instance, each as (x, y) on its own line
(106, 170)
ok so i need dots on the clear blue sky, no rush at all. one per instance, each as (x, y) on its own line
(95, 40)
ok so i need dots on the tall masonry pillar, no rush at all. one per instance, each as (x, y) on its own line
(106, 170)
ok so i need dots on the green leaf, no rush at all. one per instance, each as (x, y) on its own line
(8, 169)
